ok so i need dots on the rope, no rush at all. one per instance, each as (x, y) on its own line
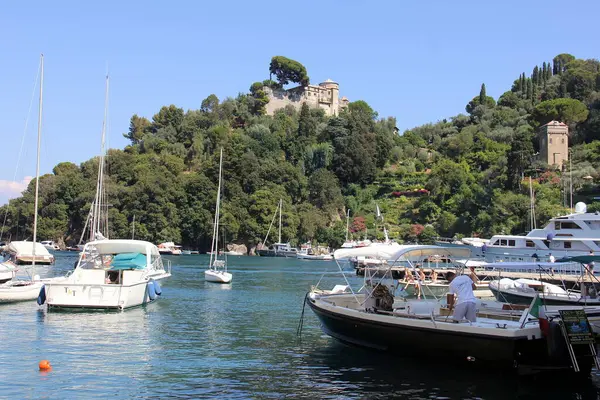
(301, 322)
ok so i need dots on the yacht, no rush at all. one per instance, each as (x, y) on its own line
(50, 245)
(23, 252)
(575, 234)
(110, 274)
(169, 248)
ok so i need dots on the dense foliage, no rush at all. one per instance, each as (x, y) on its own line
(466, 175)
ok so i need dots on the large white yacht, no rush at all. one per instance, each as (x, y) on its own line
(569, 235)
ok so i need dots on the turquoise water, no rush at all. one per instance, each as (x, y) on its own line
(205, 340)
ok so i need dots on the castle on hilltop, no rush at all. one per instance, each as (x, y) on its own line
(324, 96)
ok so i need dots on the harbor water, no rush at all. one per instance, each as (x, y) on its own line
(236, 341)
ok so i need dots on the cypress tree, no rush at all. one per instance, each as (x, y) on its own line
(535, 75)
(544, 71)
(482, 95)
(523, 84)
(533, 94)
(529, 89)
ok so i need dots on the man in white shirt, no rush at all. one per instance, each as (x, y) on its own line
(462, 286)
(551, 258)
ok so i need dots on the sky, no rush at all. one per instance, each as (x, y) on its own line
(416, 61)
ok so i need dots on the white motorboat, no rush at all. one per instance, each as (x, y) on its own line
(111, 274)
(574, 234)
(217, 271)
(169, 248)
(22, 252)
(50, 245)
(8, 270)
(306, 252)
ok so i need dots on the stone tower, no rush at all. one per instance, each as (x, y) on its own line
(554, 143)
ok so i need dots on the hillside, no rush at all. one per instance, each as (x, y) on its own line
(465, 175)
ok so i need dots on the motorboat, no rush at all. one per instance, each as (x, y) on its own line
(24, 252)
(217, 271)
(278, 250)
(574, 234)
(8, 270)
(50, 245)
(169, 248)
(522, 341)
(110, 274)
(17, 290)
(522, 291)
(306, 252)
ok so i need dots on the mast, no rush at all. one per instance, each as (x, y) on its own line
(571, 181)
(99, 200)
(347, 222)
(133, 228)
(215, 243)
(280, 207)
(37, 168)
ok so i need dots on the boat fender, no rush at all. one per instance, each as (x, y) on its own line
(157, 288)
(42, 296)
(151, 291)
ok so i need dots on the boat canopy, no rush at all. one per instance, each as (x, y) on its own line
(420, 251)
(580, 259)
(128, 261)
(22, 248)
(116, 246)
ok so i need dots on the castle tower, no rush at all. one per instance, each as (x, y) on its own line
(330, 93)
(554, 143)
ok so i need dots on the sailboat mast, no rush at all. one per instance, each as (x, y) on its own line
(37, 168)
(347, 222)
(280, 207)
(215, 243)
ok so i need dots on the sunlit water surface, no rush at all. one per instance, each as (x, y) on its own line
(240, 340)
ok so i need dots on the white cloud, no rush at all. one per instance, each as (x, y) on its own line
(12, 189)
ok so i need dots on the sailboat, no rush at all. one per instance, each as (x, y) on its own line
(23, 290)
(278, 249)
(217, 271)
(110, 273)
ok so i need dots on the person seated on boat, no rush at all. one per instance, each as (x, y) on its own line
(112, 276)
(433, 275)
(462, 287)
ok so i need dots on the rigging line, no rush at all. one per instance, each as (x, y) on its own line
(33, 92)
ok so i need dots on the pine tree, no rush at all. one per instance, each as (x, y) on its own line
(482, 95)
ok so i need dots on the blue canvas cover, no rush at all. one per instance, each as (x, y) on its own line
(128, 261)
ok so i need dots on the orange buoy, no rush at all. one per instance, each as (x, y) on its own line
(45, 365)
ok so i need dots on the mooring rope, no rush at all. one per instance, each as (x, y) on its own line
(301, 322)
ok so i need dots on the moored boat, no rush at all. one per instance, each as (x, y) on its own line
(24, 252)
(110, 274)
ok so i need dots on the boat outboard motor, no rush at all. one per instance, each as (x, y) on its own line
(382, 298)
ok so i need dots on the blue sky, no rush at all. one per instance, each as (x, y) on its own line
(417, 61)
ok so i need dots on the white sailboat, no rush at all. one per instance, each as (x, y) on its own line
(217, 271)
(29, 289)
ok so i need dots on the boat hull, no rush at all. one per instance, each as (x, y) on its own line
(217, 276)
(108, 296)
(273, 253)
(12, 292)
(512, 297)
(516, 353)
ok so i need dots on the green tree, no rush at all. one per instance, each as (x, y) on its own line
(287, 70)
(569, 111)
(482, 95)
(138, 127)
